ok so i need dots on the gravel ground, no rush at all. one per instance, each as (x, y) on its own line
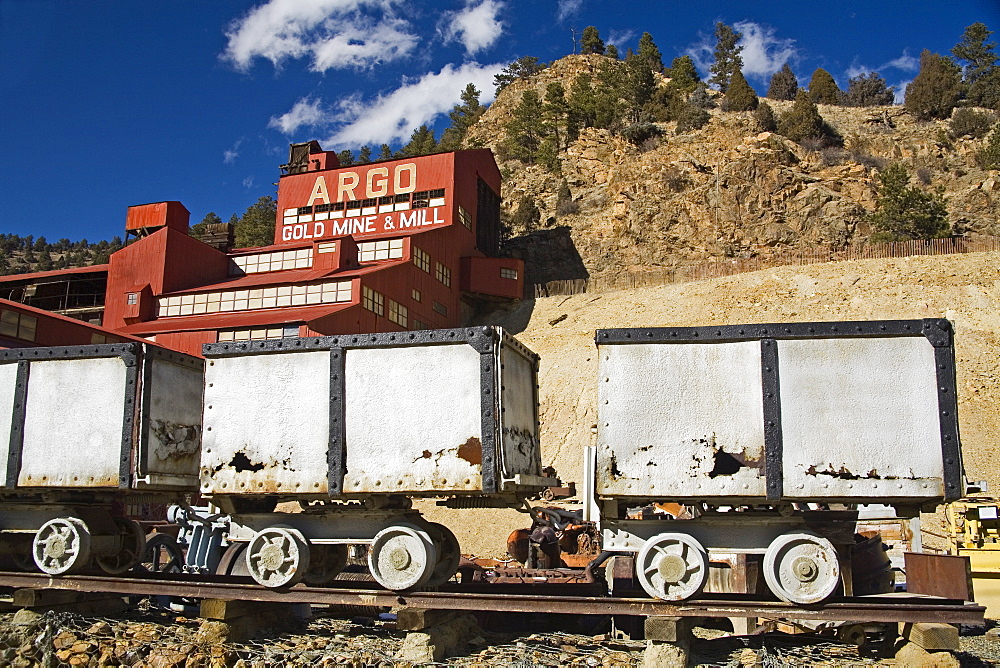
(151, 637)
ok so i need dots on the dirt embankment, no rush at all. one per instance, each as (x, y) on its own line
(963, 288)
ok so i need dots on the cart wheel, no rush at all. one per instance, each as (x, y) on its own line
(801, 567)
(277, 556)
(325, 563)
(133, 543)
(61, 546)
(402, 556)
(672, 566)
(449, 554)
(162, 554)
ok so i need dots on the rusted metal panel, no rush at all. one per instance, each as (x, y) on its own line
(266, 422)
(157, 214)
(74, 421)
(942, 575)
(520, 451)
(413, 421)
(10, 445)
(680, 421)
(170, 444)
(860, 418)
(821, 412)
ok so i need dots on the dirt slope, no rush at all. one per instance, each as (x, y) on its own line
(963, 288)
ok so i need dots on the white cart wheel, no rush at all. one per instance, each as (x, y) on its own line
(402, 556)
(672, 566)
(133, 547)
(449, 554)
(801, 567)
(277, 556)
(61, 546)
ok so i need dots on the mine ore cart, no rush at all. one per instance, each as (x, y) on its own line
(92, 431)
(352, 428)
(770, 435)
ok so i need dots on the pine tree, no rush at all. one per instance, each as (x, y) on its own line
(44, 261)
(868, 90)
(555, 111)
(611, 52)
(823, 89)
(764, 116)
(691, 117)
(365, 155)
(463, 116)
(582, 103)
(591, 42)
(522, 68)
(422, 142)
(385, 152)
(640, 83)
(989, 157)
(526, 129)
(936, 89)
(256, 226)
(649, 53)
(527, 215)
(803, 121)
(683, 75)
(740, 96)
(727, 55)
(981, 73)
(904, 212)
(346, 158)
(784, 85)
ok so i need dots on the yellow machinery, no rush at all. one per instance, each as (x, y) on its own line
(974, 532)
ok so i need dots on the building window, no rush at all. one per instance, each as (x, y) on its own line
(422, 259)
(415, 294)
(397, 313)
(442, 273)
(387, 249)
(373, 301)
(464, 216)
(18, 325)
(260, 333)
(263, 262)
(426, 198)
(133, 298)
(98, 339)
(331, 292)
(440, 308)
(419, 324)
(505, 272)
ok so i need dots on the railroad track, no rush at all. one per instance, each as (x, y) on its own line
(521, 598)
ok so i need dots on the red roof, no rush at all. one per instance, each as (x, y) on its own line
(288, 276)
(92, 269)
(205, 321)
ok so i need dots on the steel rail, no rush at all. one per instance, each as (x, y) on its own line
(886, 608)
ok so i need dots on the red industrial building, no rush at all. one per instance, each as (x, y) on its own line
(387, 246)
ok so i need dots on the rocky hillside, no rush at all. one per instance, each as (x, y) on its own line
(726, 190)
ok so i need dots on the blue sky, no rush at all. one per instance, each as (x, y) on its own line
(112, 103)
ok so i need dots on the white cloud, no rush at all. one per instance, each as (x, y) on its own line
(394, 116)
(901, 91)
(763, 54)
(567, 8)
(905, 62)
(619, 38)
(476, 26)
(229, 155)
(331, 33)
(305, 113)
(248, 182)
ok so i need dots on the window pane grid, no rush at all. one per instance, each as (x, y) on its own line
(332, 292)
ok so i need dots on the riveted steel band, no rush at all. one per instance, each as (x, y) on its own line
(947, 391)
(795, 330)
(336, 454)
(19, 411)
(773, 445)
